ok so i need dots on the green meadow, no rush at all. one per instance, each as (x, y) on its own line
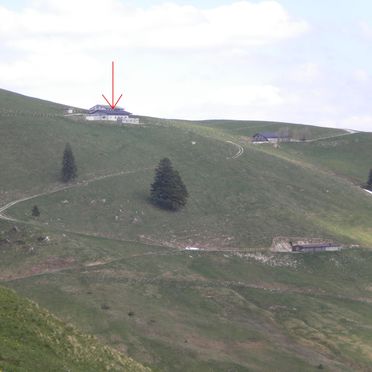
(114, 266)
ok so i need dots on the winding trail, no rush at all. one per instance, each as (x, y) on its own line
(82, 183)
(240, 150)
(348, 133)
(4, 208)
(56, 189)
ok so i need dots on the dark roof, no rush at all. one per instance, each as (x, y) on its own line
(110, 112)
(270, 135)
(107, 110)
(314, 245)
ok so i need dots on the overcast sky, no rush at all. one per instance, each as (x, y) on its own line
(304, 61)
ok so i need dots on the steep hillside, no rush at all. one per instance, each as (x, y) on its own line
(31, 339)
(242, 202)
(201, 311)
(345, 152)
(17, 104)
(348, 156)
(103, 258)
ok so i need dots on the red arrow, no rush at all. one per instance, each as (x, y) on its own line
(113, 103)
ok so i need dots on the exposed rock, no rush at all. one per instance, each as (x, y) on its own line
(43, 239)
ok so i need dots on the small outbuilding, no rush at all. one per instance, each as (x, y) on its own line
(304, 245)
(315, 247)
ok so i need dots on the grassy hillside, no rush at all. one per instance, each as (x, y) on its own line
(202, 311)
(248, 128)
(242, 202)
(232, 204)
(31, 339)
(343, 152)
(13, 104)
(348, 156)
(112, 263)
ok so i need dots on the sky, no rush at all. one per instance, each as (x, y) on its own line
(301, 61)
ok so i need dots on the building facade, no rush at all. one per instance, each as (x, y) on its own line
(106, 113)
(304, 245)
(269, 137)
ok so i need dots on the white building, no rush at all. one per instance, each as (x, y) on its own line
(104, 112)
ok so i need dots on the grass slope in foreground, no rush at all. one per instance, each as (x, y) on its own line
(190, 311)
(31, 339)
(203, 311)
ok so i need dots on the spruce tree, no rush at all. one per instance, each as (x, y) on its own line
(35, 211)
(168, 191)
(69, 169)
(369, 182)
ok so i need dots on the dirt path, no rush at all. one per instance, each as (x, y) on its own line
(43, 268)
(240, 150)
(348, 133)
(4, 208)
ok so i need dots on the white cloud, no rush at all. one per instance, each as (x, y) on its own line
(62, 50)
(365, 29)
(111, 24)
(307, 72)
(234, 101)
(361, 75)
(361, 122)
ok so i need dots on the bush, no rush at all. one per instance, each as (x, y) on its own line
(35, 211)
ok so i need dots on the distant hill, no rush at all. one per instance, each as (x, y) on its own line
(347, 156)
(31, 339)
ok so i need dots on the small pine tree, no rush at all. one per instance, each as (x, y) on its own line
(369, 182)
(35, 211)
(69, 169)
(168, 191)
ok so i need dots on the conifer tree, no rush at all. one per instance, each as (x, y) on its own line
(69, 169)
(168, 191)
(35, 211)
(369, 182)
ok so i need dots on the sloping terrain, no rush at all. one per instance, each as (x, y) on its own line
(113, 264)
(201, 311)
(234, 202)
(347, 156)
(31, 339)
